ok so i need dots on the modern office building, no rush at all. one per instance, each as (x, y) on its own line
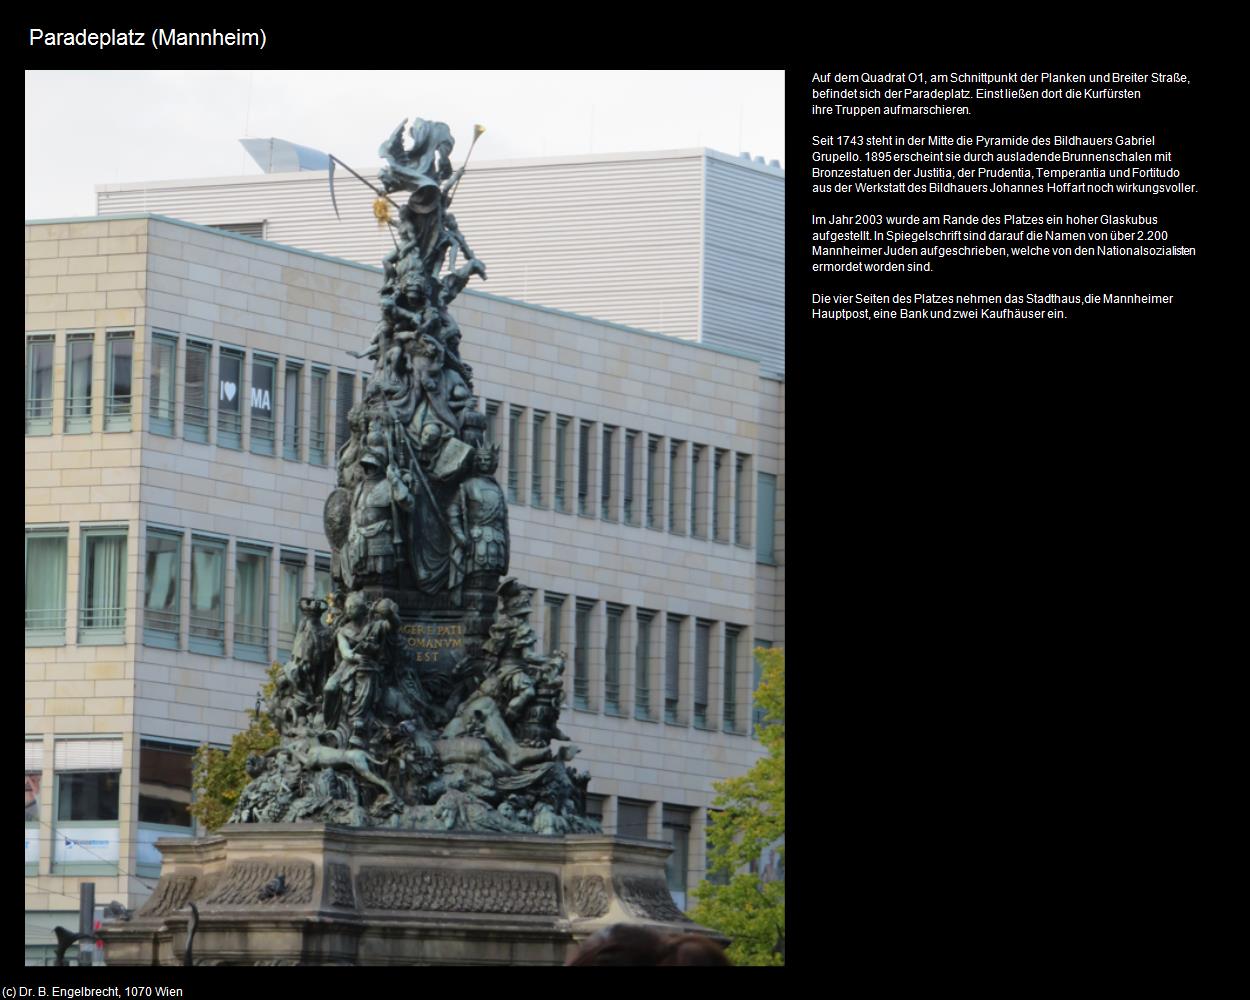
(687, 243)
(186, 390)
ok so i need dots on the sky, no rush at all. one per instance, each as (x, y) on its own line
(85, 128)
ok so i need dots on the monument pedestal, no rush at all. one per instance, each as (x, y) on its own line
(390, 897)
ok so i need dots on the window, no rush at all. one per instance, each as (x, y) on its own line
(654, 483)
(594, 807)
(631, 819)
(631, 438)
(291, 411)
(583, 468)
(290, 590)
(79, 348)
(34, 776)
(229, 389)
(208, 605)
(195, 393)
(536, 459)
(163, 568)
(251, 604)
(740, 499)
(553, 609)
(642, 667)
(676, 479)
(39, 385)
(720, 495)
(317, 416)
(263, 374)
(165, 783)
(766, 498)
(45, 586)
(161, 385)
(102, 597)
(605, 492)
(323, 582)
(343, 409)
(676, 827)
(562, 444)
(492, 422)
(697, 528)
(514, 453)
(581, 655)
(702, 645)
(88, 787)
(612, 661)
(729, 715)
(672, 669)
(117, 384)
(757, 713)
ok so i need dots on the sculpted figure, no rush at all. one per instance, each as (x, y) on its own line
(478, 517)
(350, 690)
(375, 533)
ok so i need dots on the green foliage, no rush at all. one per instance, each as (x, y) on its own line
(752, 818)
(218, 777)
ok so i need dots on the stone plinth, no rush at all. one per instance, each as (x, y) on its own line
(389, 897)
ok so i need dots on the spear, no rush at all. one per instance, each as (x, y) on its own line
(477, 134)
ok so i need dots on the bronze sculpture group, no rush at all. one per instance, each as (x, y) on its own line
(414, 697)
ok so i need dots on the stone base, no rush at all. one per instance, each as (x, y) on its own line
(387, 897)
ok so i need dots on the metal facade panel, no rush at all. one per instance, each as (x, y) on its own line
(744, 263)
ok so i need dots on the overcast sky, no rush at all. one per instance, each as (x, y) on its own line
(85, 128)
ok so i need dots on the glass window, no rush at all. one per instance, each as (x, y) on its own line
(631, 819)
(33, 780)
(291, 412)
(514, 453)
(88, 795)
(581, 655)
(676, 476)
(612, 662)
(263, 374)
(654, 485)
(229, 409)
(642, 667)
(715, 875)
(165, 783)
(720, 495)
(102, 600)
(553, 609)
(583, 468)
(730, 713)
(702, 644)
(676, 826)
(161, 385)
(317, 416)
(605, 492)
(672, 668)
(536, 460)
(740, 499)
(594, 807)
(757, 713)
(291, 589)
(117, 385)
(195, 392)
(766, 498)
(696, 492)
(631, 438)
(39, 385)
(492, 422)
(251, 604)
(562, 444)
(163, 568)
(45, 587)
(343, 409)
(208, 605)
(323, 582)
(79, 349)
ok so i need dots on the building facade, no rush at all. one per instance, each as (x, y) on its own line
(186, 391)
(688, 243)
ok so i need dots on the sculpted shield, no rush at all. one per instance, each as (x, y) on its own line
(338, 517)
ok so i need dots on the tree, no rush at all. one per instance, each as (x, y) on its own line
(218, 777)
(752, 818)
